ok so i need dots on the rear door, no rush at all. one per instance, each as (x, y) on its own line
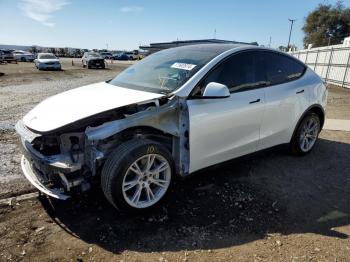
(225, 128)
(285, 98)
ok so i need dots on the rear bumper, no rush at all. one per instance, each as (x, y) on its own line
(53, 67)
(9, 59)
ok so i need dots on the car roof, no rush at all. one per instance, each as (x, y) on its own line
(219, 48)
(213, 48)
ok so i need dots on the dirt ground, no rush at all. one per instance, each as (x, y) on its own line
(269, 206)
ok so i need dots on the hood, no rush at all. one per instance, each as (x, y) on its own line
(48, 60)
(79, 103)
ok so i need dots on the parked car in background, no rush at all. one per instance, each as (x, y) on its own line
(6, 55)
(173, 113)
(121, 56)
(93, 60)
(47, 61)
(132, 55)
(23, 56)
(115, 55)
(106, 55)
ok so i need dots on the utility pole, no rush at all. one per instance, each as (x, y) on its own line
(290, 32)
(329, 39)
(270, 41)
(107, 46)
(215, 33)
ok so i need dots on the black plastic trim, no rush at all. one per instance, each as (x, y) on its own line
(305, 112)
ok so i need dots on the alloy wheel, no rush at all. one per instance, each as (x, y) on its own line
(308, 134)
(146, 181)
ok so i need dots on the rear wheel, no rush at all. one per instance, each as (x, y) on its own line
(137, 176)
(306, 134)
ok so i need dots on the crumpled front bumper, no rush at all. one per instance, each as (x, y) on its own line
(35, 178)
(37, 167)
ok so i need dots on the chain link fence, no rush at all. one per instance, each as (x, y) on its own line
(331, 63)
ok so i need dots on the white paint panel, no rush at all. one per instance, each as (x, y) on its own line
(79, 103)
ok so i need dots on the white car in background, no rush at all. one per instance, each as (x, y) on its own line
(23, 56)
(175, 112)
(47, 61)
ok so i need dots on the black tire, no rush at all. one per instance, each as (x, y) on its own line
(23, 59)
(88, 65)
(295, 146)
(103, 66)
(117, 164)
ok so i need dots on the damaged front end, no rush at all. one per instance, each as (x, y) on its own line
(66, 161)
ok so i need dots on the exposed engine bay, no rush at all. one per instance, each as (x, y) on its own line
(69, 158)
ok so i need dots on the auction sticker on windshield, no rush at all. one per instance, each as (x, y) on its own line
(183, 66)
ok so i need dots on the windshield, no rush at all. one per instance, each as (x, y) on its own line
(47, 56)
(165, 71)
(94, 55)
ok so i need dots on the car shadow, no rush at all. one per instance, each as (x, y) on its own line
(230, 204)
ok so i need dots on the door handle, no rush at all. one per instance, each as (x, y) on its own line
(299, 92)
(255, 101)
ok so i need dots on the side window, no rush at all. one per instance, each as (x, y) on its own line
(238, 73)
(280, 68)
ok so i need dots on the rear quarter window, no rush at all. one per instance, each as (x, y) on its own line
(280, 68)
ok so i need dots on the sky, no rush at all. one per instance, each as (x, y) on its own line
(126, 24)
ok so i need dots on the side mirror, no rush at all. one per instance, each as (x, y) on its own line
(216, 90)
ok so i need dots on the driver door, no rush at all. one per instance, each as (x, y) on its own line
(226, 128)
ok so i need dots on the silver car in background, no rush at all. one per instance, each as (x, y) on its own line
(47, 61)
(23, 56)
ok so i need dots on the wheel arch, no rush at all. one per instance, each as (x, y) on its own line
(151, 133)
(315, 108)
(166, 121)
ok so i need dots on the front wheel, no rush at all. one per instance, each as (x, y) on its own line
(137, 175)
(306, 134)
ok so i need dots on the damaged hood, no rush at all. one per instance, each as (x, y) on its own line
(79, 103)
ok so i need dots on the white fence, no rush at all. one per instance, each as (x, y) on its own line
(331, 63)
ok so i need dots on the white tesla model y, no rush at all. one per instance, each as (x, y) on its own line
(173, 113)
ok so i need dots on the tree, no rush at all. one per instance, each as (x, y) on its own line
(282, 48)
(52, 50)
(33, 49)
(61, 52)
(78, 52)
(327, 24)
